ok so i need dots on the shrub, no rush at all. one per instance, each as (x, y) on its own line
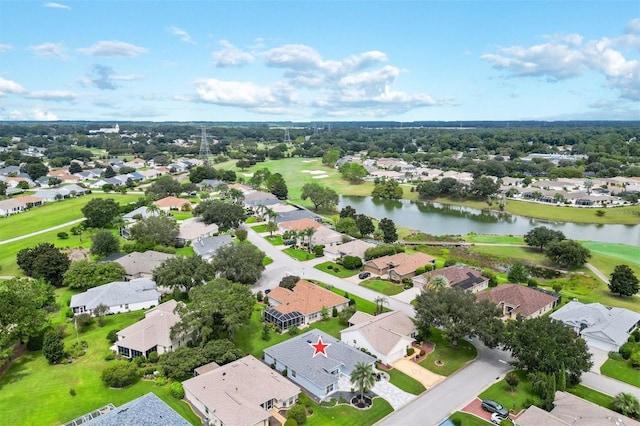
(449, 262)
(53, 347)
(120, 374)
(83, 321)
(636, 334)
(512, 379)
(557, 287)
(72, 392)
(294, 331)
(318, 250)
(334, 313)
(626, 350)
(35, 342)
(290, 422)
(532, 282)
(153, 357)
(351, 262)
(63, 235)
(259, 296)
(298, 413)
(112, 336)
(420, 270)
(615, 356)
(631, 339)
(634, 359)
(176, 390)
(410, 351)
(109, 355)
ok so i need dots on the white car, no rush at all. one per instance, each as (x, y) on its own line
(497, 418)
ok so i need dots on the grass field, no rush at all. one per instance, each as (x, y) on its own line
(343, 414)
(621, 370)
(404, 382)
(454, 358)
(299, 254)
(341, 272)
(381, 286)
(31, 379)
(361, 304)
(619, 215)
(493, 239)
(592, 395)
(605, 256)
(524, 254)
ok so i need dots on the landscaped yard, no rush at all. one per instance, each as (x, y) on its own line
(383, 286)
(621, 370)
(260, 228)
(361, 304)
(180, 215)
(592, 395)
(276, 240)
(452, 358)
(299, 254)
(345, 414)
(521, 398)
(466, 419)
(405, 382)
(31, 379)
(336, 270)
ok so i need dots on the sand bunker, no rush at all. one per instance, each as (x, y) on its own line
(314, 172)
(319, 176)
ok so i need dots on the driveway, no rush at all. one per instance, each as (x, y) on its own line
(390, 393)
(421, 374)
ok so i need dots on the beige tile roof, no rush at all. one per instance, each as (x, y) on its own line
(171, 202)
(236, 390)
(300, 224)
(28, 199)
(525, 300)
(305, 298)
(403, 263)
(153, 330)
(352, 248)
(384, 331)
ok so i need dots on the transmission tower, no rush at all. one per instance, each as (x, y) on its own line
(205, 153)
(287, 136)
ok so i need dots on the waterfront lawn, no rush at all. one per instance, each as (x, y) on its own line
(299, 254)
(592, 395)
(493, 239)
(453, 358)
(405, 382)
(466, 419)
(336, 270)
(523, 254)
(619, 215)
(345, 414)
(522, 397)
(621, 370)
(383, 286)
(605, 256)
(588, 289)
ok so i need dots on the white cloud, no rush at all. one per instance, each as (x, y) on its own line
(113, 48)
(231, 56)
(179, 32)
(49, 50)
(5, 47)
(53, 95)
(54, 5)
(8, 86)
(293, 56)
(633, 27)
(235, 93)
(33, 114)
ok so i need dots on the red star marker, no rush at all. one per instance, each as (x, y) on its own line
(320, 348)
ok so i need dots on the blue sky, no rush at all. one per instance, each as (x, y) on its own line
(319, 60)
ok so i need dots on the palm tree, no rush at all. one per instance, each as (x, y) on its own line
(153, 209)
(118, 222)
(271, 214)
(236, 195)
(438, 282)
(363, 378)
(626, 404)
(271, 227)
(380, 301)
(308, 233)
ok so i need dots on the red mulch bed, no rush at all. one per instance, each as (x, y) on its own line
(427, 347)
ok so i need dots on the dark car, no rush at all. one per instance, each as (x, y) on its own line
(363, 275)
(494, 407)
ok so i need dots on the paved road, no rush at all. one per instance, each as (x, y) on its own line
(597, 272)
(42, 231)
(608, 385)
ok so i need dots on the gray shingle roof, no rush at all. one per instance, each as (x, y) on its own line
(209, 245)
(297, 355)
(117, 293)
(148, 410)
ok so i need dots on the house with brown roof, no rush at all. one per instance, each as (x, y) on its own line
(245, 392)
(398, 266)
(301, 306)
(137, 265)
(151, 334)
(299, 224)
(458, 276)
(515, 299)
(386, 336)
(171, 203)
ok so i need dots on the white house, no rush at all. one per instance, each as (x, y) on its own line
(119, 296)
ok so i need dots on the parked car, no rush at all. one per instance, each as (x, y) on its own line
(496, 419)
(364, 274)
(289, 242)
(494, 407)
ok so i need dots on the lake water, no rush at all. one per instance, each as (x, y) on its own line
(444, 219)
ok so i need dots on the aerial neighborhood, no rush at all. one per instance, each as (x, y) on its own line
(267, 277)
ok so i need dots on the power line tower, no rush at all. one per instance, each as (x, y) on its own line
(205, 153)
(287, 136)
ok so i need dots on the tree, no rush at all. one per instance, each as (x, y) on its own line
(271, 227)
(541, 236)
(183, 273)
(180, 363)
(155, 230)
(363, 378)
(3, 188)
(483, 187)
(35, 170)
(217, 308)
(225, 215)
(100, 212)
(365, 224)
(330, 157)
(120, 374)
(626, 404)
(348, 211)
(512, 379)
(348, 225)
(164, 186)
(458, 314)
(53, 347)
(387, 189)
(289, 282)
(623, 281)
(428, 189)
(240, 263)
(109, 172)
(104, 243)
(518, 273)
(100, 311)
(83, 274)
(44, 261)
(388, 229)
(438, 282)
(380, 301)
(322, 197)
(353, 172)
(241, 234)
(277, 186)
(544, 345)
(297, 412)
(75, 167)
(568, 253)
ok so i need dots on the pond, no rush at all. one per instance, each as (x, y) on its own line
(444, 219)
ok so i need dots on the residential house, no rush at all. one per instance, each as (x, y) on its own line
(386, 336)
(194, 228)
(570, 410)
(299, 213)
(140, 213)
(355, 248)
(171, 203)
(119, 296)
(208, 246)
(106, 181)
(299, 224)
(140, 265)
(151, 173)
(55, 194)
(242, 393)
(11, 206)
(398, 266)
(255, 198)
(318, 374)
(515, 299)
(29, 200)
(302, 305)
(601, 326)
(150, 334)
(136, 163)
(458, 276)
(14, 181)
(147, 410)
(326, 236)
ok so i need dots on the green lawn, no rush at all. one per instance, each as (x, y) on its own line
(493, 239)
(260, 228)
(621, 370)
(592, 395)
(31, 378)
(524, 254)
(276, 240)
(180, 215)
(453, 358)
(361, 304)
(522, 398)
(343, 414)
(405, 382)
(383, 286)
(605, 256)
(52, 214)
(622, 215)
(341, 272)
(185, 251)
(267, 261)
(299, 254)
(588, 289)
(466, 419)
